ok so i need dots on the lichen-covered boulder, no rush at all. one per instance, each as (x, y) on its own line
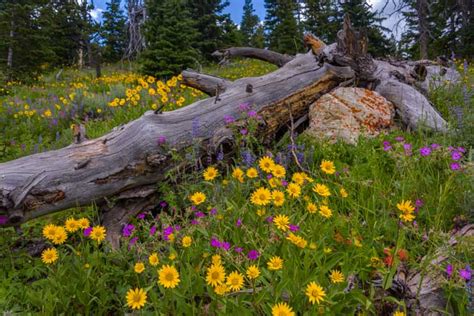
(347, 113)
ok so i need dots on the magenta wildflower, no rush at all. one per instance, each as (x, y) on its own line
(87, 231)
(435, 146)
(133, 241)
(152, 230)
(229, 119)
(244, 131)
(225, 245)
(387, 146)
(168, 230)
(199, 214)
(269, 176)
(269, 219)
(294, 228)
(3, 219)
(407, 148)
(466, 273)
(425, 151)
(238, 249)
(461, 149)
(244, 107)
(128, 230)
(213, 211)
(194, 222)
(177, 228)
(161, 140)
(252, 113)
(456, 155)
(239, 222)
(449, 270)
(253, 255)
(163, 204)
(455, 166)
(399, 139)
(215, 243)
(141, 216)
(284, 183)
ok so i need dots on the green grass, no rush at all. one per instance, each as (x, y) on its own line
(357, 240)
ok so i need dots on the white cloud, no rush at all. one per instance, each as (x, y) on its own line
(97, 14)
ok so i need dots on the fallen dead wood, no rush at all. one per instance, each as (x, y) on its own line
(122, 165)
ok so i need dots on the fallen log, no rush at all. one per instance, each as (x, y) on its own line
(122, 165)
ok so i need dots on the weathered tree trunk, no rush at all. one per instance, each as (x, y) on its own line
(422, 12)
(130, 157)
(125, 163)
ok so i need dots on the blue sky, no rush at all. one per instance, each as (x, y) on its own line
(234, 8)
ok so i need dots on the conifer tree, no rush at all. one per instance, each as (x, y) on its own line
(363, 18)
(113, 31)
(249, 24)
(284, 35)
(171, 39)
(323, 19)
(208, 18)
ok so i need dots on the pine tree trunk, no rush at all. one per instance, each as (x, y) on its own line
(10, 50)
(423, 27)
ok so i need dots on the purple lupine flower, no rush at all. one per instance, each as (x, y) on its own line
(244, 107)
(87, 231)
(387, 146)
(199, 214)
(253, 254)
(229, 119)
(3, 219)
(252, 113)
(425, 151)
(449, 270)
(161, 140)
(238, 249)
(215, 243)
(455, 166)
(407, 148)
(128, 230)
(213, 211)
(456, 155)
(220, 156)
(239, 222)
(196, 131)
(294, 228)
(141, 216)
(225, 245)
(466, 273)
(152, 230)
(248, 158)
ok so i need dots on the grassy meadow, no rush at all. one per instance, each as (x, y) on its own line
(258, 235)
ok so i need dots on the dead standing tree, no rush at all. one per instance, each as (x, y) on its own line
(119, 171)
(136, 11)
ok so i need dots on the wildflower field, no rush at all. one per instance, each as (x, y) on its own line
(302, 228)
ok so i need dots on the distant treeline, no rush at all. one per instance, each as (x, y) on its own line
(166, 36)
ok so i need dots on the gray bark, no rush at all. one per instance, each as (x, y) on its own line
(256, 53)
(130, 157)
(211, 85)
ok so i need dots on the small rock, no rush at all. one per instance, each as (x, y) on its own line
(348, 113)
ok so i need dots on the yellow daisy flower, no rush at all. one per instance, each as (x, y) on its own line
(98, 233)
(153, 259)
(168, 276)
(261, 196)
(275, 263)
(266, 163)
(198, 198)
(325, 211)
(83, 222)
(60, 236)
(71, 225)
(293, 190)
(187, 241)
(311, 208)
(252, 173)
(343, 193)
(315, 293)
(336, 276)
(406, 206)
(49, 231)
(49, 255)
(281, 222)
(322, 190)
(327, 167)
(253, 272)
(282, 309)
(278, 198)
(139, 267)
(235, 281)
(215, 275)
(136, 298)
(210, 173)
(278, 171)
